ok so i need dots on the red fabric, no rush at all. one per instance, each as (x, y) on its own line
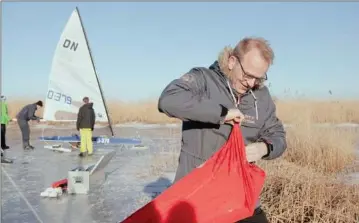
(225, 189)
(61, 183)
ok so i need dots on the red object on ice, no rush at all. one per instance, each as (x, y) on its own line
(225, 189)
(61, 183)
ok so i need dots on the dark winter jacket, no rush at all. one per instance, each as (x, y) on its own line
(86, 117)
(27, 113)
(200, 98)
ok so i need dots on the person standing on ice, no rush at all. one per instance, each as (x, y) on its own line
(4, 122)
(26, 114)
(210, 100)
(85, 124)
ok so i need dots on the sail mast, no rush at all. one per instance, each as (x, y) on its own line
(93, 66)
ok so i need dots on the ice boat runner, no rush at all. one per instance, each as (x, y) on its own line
(73, 76)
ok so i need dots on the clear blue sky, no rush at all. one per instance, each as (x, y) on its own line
(140, 47)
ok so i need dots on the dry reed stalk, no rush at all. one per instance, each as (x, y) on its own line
(289, 111)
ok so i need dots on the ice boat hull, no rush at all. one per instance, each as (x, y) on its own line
(95, 139)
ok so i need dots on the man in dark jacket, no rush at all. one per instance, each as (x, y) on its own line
(85, 124)
(26, 114)
(210, 100)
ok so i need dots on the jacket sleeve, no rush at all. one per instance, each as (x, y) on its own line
(184, 98)
(7, 113)
(93, 119)
(7, 117)
(31, 112)
(79, 118)
(273, 133)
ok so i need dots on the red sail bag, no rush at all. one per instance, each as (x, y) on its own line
(223, 190)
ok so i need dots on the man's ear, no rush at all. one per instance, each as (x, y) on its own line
(231, 62)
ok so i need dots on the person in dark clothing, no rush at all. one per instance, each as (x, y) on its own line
(26, 114)
(85, 124)
(210, 100)
(3, 137)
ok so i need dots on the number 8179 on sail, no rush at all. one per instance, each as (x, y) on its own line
(58, 96)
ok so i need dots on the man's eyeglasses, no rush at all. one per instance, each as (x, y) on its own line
(248, 76)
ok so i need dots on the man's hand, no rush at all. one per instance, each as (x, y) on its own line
(234, 115)
(36, 120)
(255, 151)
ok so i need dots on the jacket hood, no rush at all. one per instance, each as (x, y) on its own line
(34, 106)
(89, 105)
(215, 67)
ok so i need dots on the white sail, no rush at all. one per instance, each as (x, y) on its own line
(73, 76)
